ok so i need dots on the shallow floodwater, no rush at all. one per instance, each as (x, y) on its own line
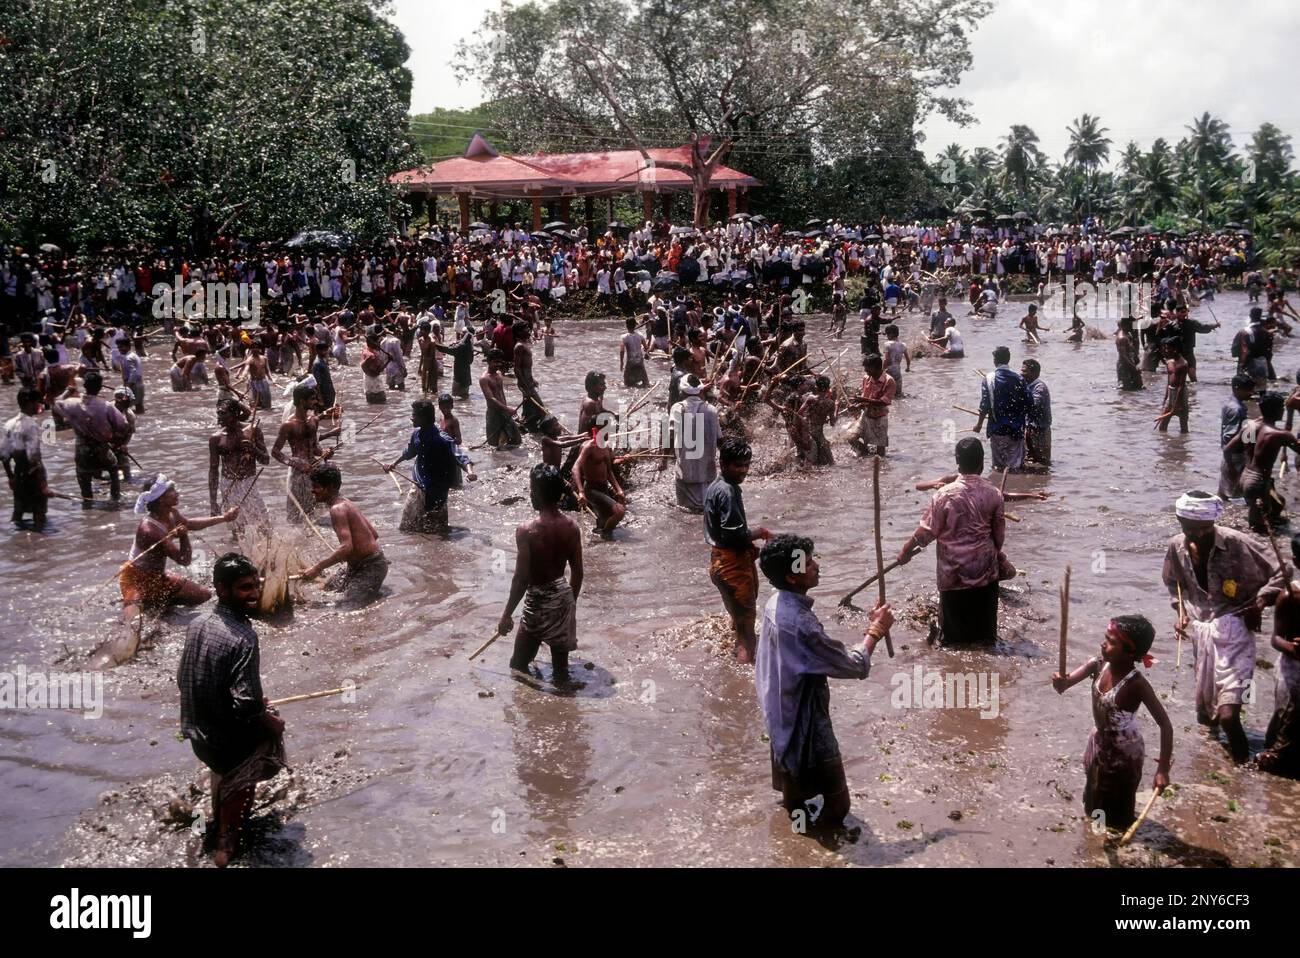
(660, 759)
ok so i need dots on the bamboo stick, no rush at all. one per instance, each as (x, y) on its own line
(973, 412)
(479, 651)
(880, 552)
(311, 695)
(1178, 664)
(1132, 829)
(1065, 619)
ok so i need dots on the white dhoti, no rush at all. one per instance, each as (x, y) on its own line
(1225, 662)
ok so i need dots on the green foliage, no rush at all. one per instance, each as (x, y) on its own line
(128, 120)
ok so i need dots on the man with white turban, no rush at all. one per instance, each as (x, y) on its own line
(1225, 579)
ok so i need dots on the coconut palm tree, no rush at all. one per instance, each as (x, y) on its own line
(1207, 149)
(1021, 160)
(1089, 146)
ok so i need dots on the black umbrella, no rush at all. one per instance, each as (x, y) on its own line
(1232, 226)
(1023, 217)
(555, 225)
(1004, 218)
(682, 231)
(619, 229)
(758, 219)
(872, 238)
(1244, 232)
(812, 223)
(813, 234)
(791, 234)
(479, 225)
(739, 217)
(665, 280)
(1123, 231)
(543, 237)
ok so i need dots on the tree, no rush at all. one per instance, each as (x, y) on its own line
(128, 120)
(1021, 160)
(808, 83)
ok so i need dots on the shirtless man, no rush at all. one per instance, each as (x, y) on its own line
(98, 426)
(301, 432)
(594, 480)
(839, 314)
(816, 408)
(162, 534)
(545, 546)
(234, 453)
(501, 428)
(358, 543)
(428, 368)
(259, 376)
(1031, 325)
(533, 409)
(1127, 370)
(699, 362)
(1264, 504)
(1176, 386)
(631, 356)
(184, 372)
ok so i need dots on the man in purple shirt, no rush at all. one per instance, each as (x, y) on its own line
(795, 657)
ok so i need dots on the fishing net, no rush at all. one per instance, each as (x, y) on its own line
(277, 558)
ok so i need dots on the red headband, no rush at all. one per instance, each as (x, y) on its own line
(1113, 631)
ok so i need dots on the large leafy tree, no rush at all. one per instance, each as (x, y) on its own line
(1022, 160)
(144, 119)
(811, 85)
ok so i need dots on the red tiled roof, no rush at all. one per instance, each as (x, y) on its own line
(558, 174)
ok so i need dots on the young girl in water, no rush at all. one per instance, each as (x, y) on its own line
(1113, 760)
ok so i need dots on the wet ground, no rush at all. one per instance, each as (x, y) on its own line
(660, 758)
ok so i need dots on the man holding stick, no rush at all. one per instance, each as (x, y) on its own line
(1226, 580)
(965, 517)
(732, 554)
(223, 712)
(545, 546)
(795, 657)
(358, 543)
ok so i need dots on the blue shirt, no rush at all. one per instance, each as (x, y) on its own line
(1009, 405)
(1234, 416)
(436, 468)
(1040, 405)
(793, 648)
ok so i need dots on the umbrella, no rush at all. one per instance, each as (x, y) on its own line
(873, 238)
(619, 228)
(813, 234)
(1240, 232)
(1022, 216)
(849, 234)
(313, 238)
(791, 234)
(1123, 231)
(812, 223)
(665, 280)
(1004, 218)
(908, 239)
(1232, 226)
(479, 225)
(739, 217)
(49, 248)
(682, 231)
(543, 237)
(555, 225)
(759, 219)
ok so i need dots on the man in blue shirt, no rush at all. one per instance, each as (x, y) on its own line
(1234, 416)
(795, 658)
(436, 471)
(1038, 425)
(1004, 403)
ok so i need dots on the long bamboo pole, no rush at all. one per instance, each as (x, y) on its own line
(880, 552)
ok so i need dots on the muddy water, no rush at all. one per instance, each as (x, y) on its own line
(660, 758)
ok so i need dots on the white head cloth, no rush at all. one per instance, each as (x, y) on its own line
(1198, 506)
(309, 382)
(155, 492)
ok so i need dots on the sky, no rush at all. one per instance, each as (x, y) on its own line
(1146, 67)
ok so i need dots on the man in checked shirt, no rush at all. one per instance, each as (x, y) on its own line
(223, 712)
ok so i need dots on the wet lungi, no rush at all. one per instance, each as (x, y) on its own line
(969, 616)
(418, 516)
(501, 425)
(734, 574)
(550, 616)
(143, 587)
(873, 431)
(1225, 662)
(811, 765)
(261, 391)
(1008, 452)
(360, 583)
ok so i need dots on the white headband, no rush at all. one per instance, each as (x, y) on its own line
(309, 382)
(1198, 506)
(155, 492)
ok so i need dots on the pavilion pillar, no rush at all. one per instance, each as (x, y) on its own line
(609, 210)
(566, 208)
(478, 211)
(744, 199)
(589, 214)
(464, 210)
(537, 213)
(731, 202)
(416, 202)
(648, 206)
(492, 213)
(667, 204)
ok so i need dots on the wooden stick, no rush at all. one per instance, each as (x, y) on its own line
(1178, 664)
(311, 695)
(1065, 618)
(973, 412)
(644, 396)
(880, 552)
(395, 471)
(870, 579)
(306, 518)
(1132, 829)
(481, 648)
